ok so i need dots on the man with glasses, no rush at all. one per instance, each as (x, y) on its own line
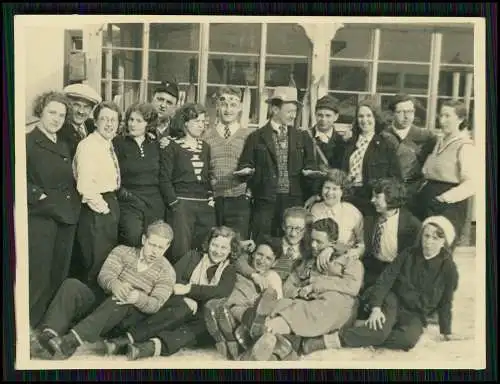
(83, 100)
(165, 98)
(414, 144)
(226, 140)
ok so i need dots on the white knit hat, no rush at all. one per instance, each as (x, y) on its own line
(443, 223)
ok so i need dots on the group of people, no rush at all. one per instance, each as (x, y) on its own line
(158, 232)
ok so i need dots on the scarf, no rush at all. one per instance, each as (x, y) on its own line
(199, 275)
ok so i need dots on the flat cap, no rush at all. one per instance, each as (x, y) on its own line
(83, 91)
(328, 102)
(168, 87)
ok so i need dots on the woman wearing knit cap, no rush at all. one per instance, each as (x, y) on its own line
(422, 280)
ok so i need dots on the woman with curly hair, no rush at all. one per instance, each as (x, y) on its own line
(186, 181)
(368, 155)
(201, 276)
(53, 202)
(138, 154)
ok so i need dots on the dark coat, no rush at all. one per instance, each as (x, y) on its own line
(380, 160)
(259, 152)
(184, 268)
(408, 230)
(49, 171)
(69, 134)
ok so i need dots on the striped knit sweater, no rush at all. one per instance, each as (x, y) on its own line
(155, 284)
(224, 158)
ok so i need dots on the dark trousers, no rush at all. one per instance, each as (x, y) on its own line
(267, 217)
(191, 222)
(425, 205)
(104, 318)
(50, 246)
(175, 325)
(135, 217)
(234, 212)
(72, 302)
(373, 268)
(97, 235)
(402, 329)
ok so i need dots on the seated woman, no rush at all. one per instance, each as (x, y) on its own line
(348, 218)
(315, 302)
(201, 276)
(138, 155)
(222, 321)
(421, 280)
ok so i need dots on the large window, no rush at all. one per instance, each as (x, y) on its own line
(351, 59)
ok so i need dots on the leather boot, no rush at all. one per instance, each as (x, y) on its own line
(64, 347)
(263, 348)
(283, 348)
(313, 344)
(39, 345)
(116, 346)
(242, 336)
(140, 350)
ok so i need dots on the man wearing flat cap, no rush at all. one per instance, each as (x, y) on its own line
(276, 160)
(164, 99)
(83, 100)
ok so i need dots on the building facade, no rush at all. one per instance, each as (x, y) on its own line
(429, 61)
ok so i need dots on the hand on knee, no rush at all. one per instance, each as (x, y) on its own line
(278, 325)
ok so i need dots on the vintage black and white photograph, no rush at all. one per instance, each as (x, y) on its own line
(257, 192)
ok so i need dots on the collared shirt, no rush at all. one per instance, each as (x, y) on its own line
(324, 137)
(233, 127)
(51, 136)
(401, 133)
(295, 248)
(81, 129)
(277, 127)
(95, 170)
(142, 264)
(389, 239)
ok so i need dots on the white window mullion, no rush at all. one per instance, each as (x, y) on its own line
(203, 62)
(143, 92)
(262, 74)
(375, 58)
(436, 42)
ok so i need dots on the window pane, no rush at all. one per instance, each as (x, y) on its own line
(235, 70)
(352, 42)
(347, 103)
(230, 37)
(128, 35)
(405, 45)
(446, 76)
(279, 70)
(459, 43)
(287, 39)
(128, 91)
(404, 78)
(178, 67)
(349, 75)
(254, 104)
(126, 64)
(177, 36)
(420, 110)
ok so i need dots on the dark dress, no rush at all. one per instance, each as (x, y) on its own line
(139, 196)
(51, 221)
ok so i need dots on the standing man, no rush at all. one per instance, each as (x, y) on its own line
(165, 99)
(226, 140)
(276, 158)
(83, 100)
(413, 144)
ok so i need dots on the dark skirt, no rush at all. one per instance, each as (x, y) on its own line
(425, 205)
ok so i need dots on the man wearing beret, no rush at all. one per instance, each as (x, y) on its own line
(83, 100)
(164, 99)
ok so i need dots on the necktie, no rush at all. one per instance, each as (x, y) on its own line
(117, 167)
(356, 160)
(377, 236)
(282, 135)
(227, 132)
(82, 131)
(290, 253)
